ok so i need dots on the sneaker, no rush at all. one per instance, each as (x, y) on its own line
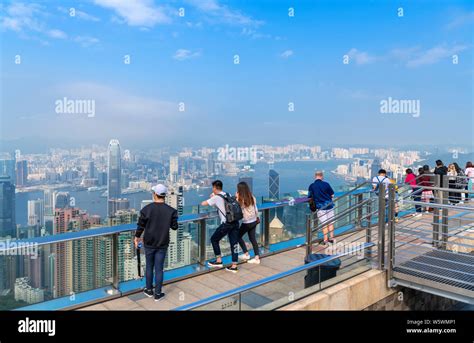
(254, 261)
(244, 257)
(159, 297)
(148, 292)
(215, 264)
(232, 269)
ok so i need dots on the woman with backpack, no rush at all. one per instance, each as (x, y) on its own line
(248, 203)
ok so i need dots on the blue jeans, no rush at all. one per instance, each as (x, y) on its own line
(232, 230)
(155, 260)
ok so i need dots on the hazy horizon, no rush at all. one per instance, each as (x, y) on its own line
(182, 86)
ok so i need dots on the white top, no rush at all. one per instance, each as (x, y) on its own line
(381, 179)
(469, 172)
(217, 202)
(250, 213)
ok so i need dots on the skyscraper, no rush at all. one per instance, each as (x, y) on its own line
(62, 200)
(7, 168)
(49, 198)
(375, 167)
(91, 170)
(7, 207)
(36, 212)
(115, 205)
(114, 171)
(21, 173)
(273, 184)
(179, 247)
(174, 168)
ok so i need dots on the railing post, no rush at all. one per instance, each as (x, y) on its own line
(444, 212)
(115, 261)
(309, 235)
(391, 232)
(368, 232)
(438, 199)
(360, 198)
(202, 242)
(266, 229)
(381, 228)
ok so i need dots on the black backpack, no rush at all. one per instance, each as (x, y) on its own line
(232, 208)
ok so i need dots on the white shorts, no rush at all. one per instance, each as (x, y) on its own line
(325, 215)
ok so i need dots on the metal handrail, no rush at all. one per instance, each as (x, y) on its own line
(117, 229)
(269, 279)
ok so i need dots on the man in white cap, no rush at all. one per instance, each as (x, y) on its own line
(156, 220)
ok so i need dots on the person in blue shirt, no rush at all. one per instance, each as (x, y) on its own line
(322, 194)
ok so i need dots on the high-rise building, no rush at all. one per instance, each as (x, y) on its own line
(21, 173)
(91, 170)
(36, 212)
(115, 205)
(375, 167)
(49, 199)
(7, 208)
(62, 200)
(7, 168)
(174, 168)
(179, 250)
(126, 256)
(248, 180)
(273, 184)
(114, 170)
(65, 220)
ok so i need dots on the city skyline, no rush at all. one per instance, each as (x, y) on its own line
(182, 77)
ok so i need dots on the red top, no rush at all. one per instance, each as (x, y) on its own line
(411, 180)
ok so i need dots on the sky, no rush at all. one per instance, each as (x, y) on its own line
(310, 72)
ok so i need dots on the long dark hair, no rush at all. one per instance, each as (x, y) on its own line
(458, 168)
(469, 164)
(245, 195)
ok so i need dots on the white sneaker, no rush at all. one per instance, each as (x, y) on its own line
(244, 257)
(254, 261)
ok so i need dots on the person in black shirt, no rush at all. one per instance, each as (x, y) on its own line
(156, 220)
(441, 170)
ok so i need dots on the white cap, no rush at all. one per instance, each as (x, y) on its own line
(160, 189)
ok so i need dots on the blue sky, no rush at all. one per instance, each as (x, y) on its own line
(190, 59)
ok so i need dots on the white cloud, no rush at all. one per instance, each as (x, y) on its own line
(137, 12)
(216, 12)
(79, 14)
(286, 54)
(28, 19)
(184, 54)
(461, 20)
(360, 57)
(433, 55)
(58, 34)
(19, 17)
(86, 41)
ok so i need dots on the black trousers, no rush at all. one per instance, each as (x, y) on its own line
(250, 229)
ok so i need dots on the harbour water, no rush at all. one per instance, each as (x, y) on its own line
(293, 176)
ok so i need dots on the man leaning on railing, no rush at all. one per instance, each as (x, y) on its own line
(321, 197)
